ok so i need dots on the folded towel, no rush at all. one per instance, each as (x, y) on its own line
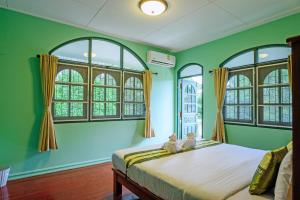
(189, 143)
(172, 145)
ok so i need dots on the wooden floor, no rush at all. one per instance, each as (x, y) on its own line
(87, 183)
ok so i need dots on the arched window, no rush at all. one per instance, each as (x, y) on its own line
(133, 95)
(238, 103)
(261, 71)
(88, 81)
(70, 99)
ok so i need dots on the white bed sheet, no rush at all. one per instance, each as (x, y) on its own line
(211, 173)
(245, 195)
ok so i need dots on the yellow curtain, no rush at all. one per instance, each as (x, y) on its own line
(220, 81)
(290, 68)
(48, 67)
(147, 81)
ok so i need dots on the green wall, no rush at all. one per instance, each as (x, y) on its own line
(22, 37)
(210, 55)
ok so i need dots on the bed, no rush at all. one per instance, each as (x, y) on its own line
(216, 172)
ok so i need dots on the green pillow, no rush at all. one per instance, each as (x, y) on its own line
(267, 170)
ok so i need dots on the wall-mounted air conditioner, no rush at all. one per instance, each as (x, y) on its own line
(161, 59)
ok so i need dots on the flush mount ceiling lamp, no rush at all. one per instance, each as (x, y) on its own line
(153, 7)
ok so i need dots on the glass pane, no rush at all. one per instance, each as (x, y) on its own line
(273, 53)
(75, 51)
(98, 109)
(100, 79)
(272, 78)
(111, 94)
(241, 60)
(270, 95)
(110, 80)
(129, 82)
(131, 62)
(231, 97)
(139, 96)
(244, 81)
(63, 76)
(61, 109)
(286, 114)
(77, 92)
(111, 108)
(129, 109)
(139, 109)
(76, 77)
(138, 83)
(284, 76)
(271, 113)
(245, 113)
(98, 94)
(61, 92)
(231, 112)
(191, 70)
(245, 96)
(76, 109)
(105, 53)
(128, 95)
(232, 82)
(286, 95)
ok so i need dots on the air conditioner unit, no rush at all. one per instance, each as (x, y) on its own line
(161, 59)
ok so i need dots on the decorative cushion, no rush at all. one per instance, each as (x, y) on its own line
(266, 173)
(284, 177)
(290, 146)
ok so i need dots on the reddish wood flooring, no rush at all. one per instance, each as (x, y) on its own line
(87, 183)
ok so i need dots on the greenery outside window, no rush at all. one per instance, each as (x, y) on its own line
(97, 79)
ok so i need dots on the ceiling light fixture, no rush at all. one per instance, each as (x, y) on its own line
(263, 55)
(87, 55)
(153, 7)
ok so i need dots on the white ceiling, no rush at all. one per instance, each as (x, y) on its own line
(186, 23)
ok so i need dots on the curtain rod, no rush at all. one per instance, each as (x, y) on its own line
(155, 73)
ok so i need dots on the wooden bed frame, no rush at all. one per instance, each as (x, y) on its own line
(121, 179)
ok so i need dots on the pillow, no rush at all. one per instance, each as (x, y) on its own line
(284, 177)
(266, 172)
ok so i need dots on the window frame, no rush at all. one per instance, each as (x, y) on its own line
(90, 65)
(255, 67)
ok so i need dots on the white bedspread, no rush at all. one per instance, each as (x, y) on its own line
(212, 173)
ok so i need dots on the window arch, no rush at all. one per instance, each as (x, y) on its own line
(266, 87)
(88, 81)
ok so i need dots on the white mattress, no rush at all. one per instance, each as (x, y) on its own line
(211, 173)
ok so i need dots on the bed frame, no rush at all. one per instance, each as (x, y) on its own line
(121, 179)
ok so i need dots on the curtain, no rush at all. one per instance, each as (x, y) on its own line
(290, 68)
(147, 81)
(220, 81)
(48, 67)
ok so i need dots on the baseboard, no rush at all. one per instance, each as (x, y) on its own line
(26, 174)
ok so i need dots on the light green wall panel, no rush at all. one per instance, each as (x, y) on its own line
(210, 55)
(21, 38)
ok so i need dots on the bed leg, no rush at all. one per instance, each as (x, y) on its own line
(117, 188)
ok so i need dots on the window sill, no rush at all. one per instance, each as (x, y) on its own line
(255, 125)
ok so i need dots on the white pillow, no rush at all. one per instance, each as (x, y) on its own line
(284, 177)
(188, 144)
